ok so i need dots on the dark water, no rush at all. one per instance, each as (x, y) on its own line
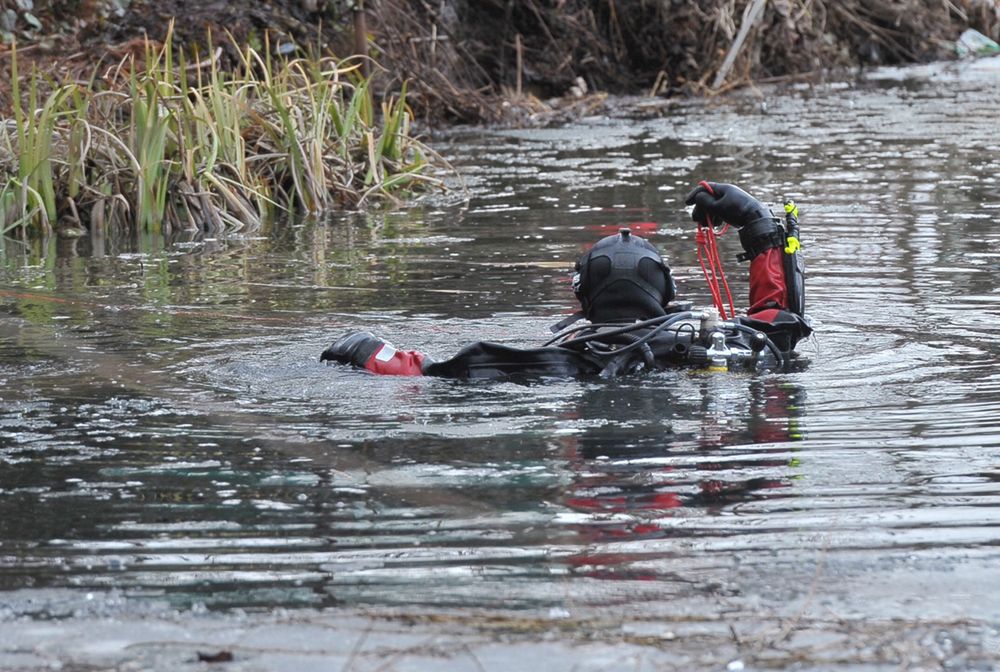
(167, 430)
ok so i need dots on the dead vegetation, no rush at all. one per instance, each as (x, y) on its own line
(517, 62)
(161, 143)
(465, 59)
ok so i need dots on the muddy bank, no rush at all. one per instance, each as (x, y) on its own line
(496, 61)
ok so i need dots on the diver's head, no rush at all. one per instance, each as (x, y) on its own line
(623, 278)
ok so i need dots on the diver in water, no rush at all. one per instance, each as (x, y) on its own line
(626, 292)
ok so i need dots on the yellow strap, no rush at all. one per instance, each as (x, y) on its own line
(791, 208)
(793, 245)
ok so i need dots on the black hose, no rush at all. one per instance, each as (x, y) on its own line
(660, 322)
(597, 325)
(639, 341)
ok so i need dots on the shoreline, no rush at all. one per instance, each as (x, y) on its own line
(468, 62)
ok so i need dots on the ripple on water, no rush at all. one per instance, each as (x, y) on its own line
(167, 429)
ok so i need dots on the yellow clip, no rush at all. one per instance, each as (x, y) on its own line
(792, 209)
(793, 245)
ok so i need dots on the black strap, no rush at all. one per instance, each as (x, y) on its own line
(760, 236)
(565, 322)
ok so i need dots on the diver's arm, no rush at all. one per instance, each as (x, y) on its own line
(763, 241)
(476, 360)
(768, 289)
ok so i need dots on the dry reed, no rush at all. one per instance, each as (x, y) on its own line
(162, 144)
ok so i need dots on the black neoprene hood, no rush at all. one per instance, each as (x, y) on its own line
(623, 278)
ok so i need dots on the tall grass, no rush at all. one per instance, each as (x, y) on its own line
(158, 143)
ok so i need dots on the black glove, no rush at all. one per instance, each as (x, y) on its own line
(728, 203)
(759, 229)
(354, 348)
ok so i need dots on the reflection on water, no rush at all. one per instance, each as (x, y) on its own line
(167, 430)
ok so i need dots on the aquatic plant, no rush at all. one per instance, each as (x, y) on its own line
(159, 143)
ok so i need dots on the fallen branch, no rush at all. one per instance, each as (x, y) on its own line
(751, 14)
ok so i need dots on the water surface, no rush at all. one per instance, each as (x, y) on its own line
(168, 432)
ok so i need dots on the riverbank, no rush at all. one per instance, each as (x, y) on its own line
(131, 113)
(467, 55)
(495, 61)
(165, 115)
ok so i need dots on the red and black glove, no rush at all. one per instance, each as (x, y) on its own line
(758, 227)
(726, 203)
(364, 350)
